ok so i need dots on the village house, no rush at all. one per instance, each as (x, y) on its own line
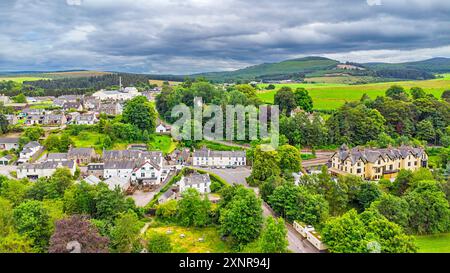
(92, 180)
(72, 105)
(67, 98)
(163, 128)
(96, 169)
(200, 182)
(375, 164)
(111, 108)
(43, 169)
(54, 119)
(5, 160)
(147, 173)
(4, 99)
(121, 169)
(117, 95)
(82, 155)
(91, 103)
(9, 143)
(136, 155)
(34, 119)
(12, 119)
(28, 151)
(180, 157)
(86, 119)
(311, 235)
(57, 157)
(220, 159)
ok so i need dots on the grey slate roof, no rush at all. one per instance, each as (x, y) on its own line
(132, 155)
(122, 164)
(9, 140)
(196, 178)
(57, 156)
(80, 152)
(31, 144)
(48, 165)
(372, 155)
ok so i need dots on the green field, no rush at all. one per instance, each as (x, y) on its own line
(21, 79)
(190, 243)
(439, 243)
(94, 139)
(331, 96)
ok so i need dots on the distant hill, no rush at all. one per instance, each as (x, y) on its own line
(290, 68)
(434, 65)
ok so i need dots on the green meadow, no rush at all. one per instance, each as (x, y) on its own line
(438, 243)
(332, 96)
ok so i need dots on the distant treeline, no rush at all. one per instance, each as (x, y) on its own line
(80, 85)
(408, 74)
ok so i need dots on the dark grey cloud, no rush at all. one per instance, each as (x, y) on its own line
(210, 35)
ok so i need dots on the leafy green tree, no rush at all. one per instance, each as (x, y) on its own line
(167, 210)
(353, 233)
(429, 209)
(125, 233)
(241, 216)
(285, 99)
(20, 98)
(289, 158)
(265, 165)
(32, 220)
(303, 99)
(159, 243)
(14, 190)
(273, 236)
(65, 142)
(139, 112)
(52, 143)
(109, 203)
(402, 182)
(446, 96)
(79, 199)
(192, 209)
(417, 93)
(33, 133)
(368, 193)
(6, 217)
(15, 243)
(425, 131)
(396, 92)
(298, 203)
(3, 124)
(394, 208)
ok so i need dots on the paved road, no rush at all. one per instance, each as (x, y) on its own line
(296, 242)
(321, 159)
(5, 170)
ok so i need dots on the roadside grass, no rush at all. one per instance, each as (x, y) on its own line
(438, 243)
(332, 96)
(190, 243)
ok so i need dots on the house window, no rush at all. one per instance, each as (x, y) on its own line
(409, 164)
(358, 170)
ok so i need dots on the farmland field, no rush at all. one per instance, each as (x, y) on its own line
(331, 96)
(21, 79)
(439, 243)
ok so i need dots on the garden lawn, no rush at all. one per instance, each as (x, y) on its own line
(332, 96)
(439, 243)
(190, 243)
(162, 143)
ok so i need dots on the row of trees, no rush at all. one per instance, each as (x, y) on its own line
(395, 118)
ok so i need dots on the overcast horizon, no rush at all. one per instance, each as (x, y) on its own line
(185, 37)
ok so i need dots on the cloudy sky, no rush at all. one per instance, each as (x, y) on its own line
(180, 37)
